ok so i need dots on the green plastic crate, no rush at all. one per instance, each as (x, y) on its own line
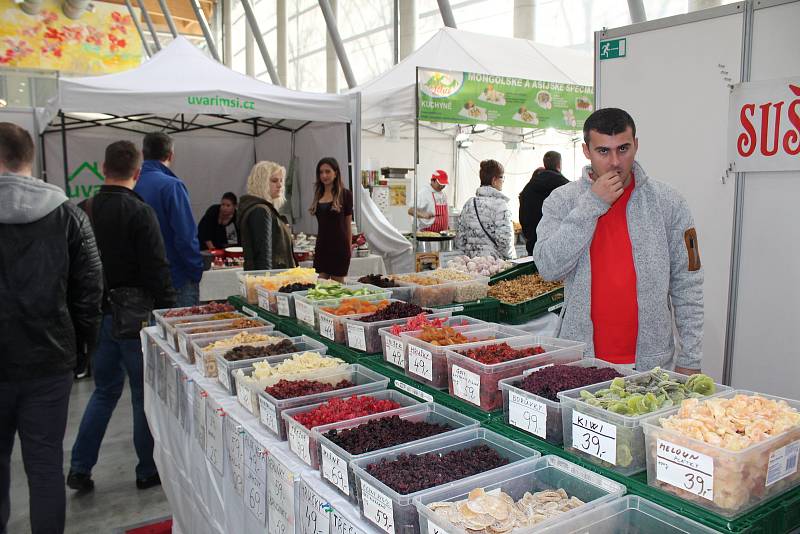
(486, 309)
(525, 311)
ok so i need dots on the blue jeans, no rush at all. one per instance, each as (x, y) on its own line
(188, 295)
(112, 359)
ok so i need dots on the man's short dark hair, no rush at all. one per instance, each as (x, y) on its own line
(157, 146)
(608, 121)
(230, 196)
(16, 147)
(122, 160)
(552, 160)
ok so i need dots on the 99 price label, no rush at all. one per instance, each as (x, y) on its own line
(685, 469)
(528, 414)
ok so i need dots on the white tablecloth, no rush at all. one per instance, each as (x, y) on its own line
(372, 264)
(203, 499)
(219, 284)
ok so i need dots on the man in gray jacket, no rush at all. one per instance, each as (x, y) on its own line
(626, 247)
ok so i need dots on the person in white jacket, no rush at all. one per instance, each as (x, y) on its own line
(484, 226)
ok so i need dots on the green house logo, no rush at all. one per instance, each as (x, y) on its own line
(84, 181)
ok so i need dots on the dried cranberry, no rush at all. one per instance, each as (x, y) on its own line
(342, 409)
(289, 389)
(384, 432)
(550, 381)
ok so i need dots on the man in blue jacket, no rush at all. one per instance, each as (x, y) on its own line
(167, 195)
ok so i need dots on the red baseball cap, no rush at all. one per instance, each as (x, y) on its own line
(440, 176)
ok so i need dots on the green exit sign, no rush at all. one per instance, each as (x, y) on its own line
(612, 48)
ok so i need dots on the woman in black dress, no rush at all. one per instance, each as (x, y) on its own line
(333, 207)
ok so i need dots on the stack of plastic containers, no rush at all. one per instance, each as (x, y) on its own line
(166, 325)
(334, 327)
(208, 364)
(307, 309)
(250, 280)
(188, 333)
(365, 336)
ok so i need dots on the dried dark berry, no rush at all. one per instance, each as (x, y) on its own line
(550, 381)
(382, 433)
(395, 310)
(377, 281)
(289, 389)
(248, 352)
(291, 288)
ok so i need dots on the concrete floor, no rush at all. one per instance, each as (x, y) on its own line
(115, 501)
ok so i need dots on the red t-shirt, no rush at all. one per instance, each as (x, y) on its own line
(615, 308)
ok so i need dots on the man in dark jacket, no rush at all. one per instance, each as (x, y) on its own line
(133, 256)
(532, 197)
(51, 285)
(167, 195)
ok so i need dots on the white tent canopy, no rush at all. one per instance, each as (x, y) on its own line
(391, 96)
(181, 79)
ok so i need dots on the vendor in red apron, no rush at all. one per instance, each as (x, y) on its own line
(431, 205)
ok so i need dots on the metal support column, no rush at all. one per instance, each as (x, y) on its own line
(201, 19)
(283, 39)
(447, 13)
(396, 32)
(330, 21)
(636, 8)
(331, 63)
(249, 52)
(167, 15)
(136, 23)
(408, 27)
(262, 46)
(227, 34)
(149, 22)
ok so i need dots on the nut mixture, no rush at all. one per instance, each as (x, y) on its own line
(521, 289)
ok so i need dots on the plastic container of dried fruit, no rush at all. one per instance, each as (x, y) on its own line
(427, 363)
(729, 483)
(190, 331)
(333, 327)
(467, 290)
(248, 291)
(301, 440)
(366, 337)
(307, 310)
(276, 302)
(399, 292)
(538, 415)
(395, 347)
(364, 381)
(247, 389)
(548, 473)
(166, 325)
(630, 513)
(476, 382)
(334, 461)
(439, 294)
(377, 500)
(226, 368)
(606, 438)
(208, 365)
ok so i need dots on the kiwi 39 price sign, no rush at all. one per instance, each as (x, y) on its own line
(471, 98)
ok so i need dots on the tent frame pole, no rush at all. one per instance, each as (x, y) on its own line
(341, 53)
(149, 22)
(201, 19)
(447, 13)
(259, 38)
(138, 26)
(64, 151)
(168, 16)
(415, 226)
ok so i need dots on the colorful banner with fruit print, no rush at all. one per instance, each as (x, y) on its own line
(471, 98)
(100, 41)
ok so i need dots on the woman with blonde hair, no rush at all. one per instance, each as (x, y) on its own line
(265, 235)
(333, 207)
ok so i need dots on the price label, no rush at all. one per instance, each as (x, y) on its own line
(536, 369)
(334, 469)
(199, 416)
(245, 397)
(172, 341)
(214, 437)
(255, 478)
(783, 462)
(528, 414)
(595, 437)
(280, 484)
(316, 512)
(242, 288)
(305, 312)
(162, 376)
(183, 401)
(172, 388)
(420, 362)
(555, 307)
(356, 338)
(395, 352)
(251, 312)
(412, 390)
(299, 443)
(341, 525)
(150, 374)
(283, 306)
(234, 434)
(224, 377)
(182, 344)
(263, 301)
(326, 326)
(685, 469)
(466, 385)
(268, 415)
(162, 330)
(377, 507)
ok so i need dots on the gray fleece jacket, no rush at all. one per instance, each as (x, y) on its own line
(658, 221)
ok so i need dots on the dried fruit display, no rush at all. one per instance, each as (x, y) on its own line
(205, 309)
(500, 353)
(417, 279)
(395, 310)
(418, 322)
(236, 324)
(299, 363)
(521, 289)
(482, 265)
(549, 381)
(329, 291)
(355, 306)
(382, 433)
(409, 473)
(241, 338)
(289, 389)
(486, 513)
(297, 286)
(377, 281)
(248, 352)
(443, 337)
(342, 409)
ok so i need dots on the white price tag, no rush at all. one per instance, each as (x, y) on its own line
(555, 307)
(280, 483)
(172, 341)
(251, 312)
(162, 330)
(243, 288)
(414, 391)
(536, 369)
(377, 507)
(395, 352)
(172, 388)
(334, 469)
(162, 376)
(267, 414)
(433, 528)
(528, 414)
(685, 469)
(305, 312)
(255, 478)
(356, 337)
(183, 401)
(340, 524)
(150, 375)
(224, 377)
(595, 437)
(299, 443)
(234, 434)
(783, 462)
(466, 385)
(283, 305)
(199, 416)
(420, 362)
(316, 512)
(263, 301)
(182, 346)
(245, 397)
(326, 326)
(214, 438)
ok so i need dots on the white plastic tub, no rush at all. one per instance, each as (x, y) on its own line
(208, 364)
(307, 310)
(365, 336)
(395, 347)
